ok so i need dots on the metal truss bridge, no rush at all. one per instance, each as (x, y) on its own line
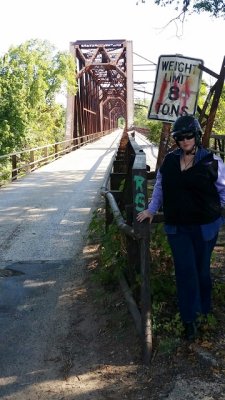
(105, 87)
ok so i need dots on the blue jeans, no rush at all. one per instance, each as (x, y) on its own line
(192, 255)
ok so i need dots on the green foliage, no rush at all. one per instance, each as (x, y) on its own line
(162, 287)
(121, 122)
(208, 325)
(215, 8)
(168, 345)
(141, 121)
(219, 292)
(174, 325)
(31, 76)
(203, 91)
(113, 259)
(166, 318)
(160, 246)
(207, 322)
(166, 321)
(155, 128)
(140, 114)
(5, 172)
(219, 124)
(112, 254)
(96, 227)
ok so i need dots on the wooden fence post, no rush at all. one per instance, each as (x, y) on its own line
(163, 145)
(56, 150)
(14, 167)
(140, 201)
(32, 160)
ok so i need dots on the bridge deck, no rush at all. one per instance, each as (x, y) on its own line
(44, 215)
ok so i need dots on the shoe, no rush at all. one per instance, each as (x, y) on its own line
(191, 331)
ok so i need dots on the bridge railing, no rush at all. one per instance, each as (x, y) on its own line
(217, 145)
(18, 164)
(125, 191)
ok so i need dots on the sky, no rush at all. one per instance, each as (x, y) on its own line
(145, 24)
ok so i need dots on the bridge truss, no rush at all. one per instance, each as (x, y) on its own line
(105, 86)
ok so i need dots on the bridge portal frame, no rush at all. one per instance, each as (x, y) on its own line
(104, 71)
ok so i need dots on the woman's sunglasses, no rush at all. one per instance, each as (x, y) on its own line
(187, 136)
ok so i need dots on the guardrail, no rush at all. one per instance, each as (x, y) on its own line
(15, 165)
(126, 185)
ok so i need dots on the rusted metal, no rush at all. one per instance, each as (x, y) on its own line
(163, 145)
(105, 86)
(218, 87)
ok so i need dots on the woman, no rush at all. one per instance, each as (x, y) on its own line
(190, 186)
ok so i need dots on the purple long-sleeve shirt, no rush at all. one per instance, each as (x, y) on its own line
(208, 230)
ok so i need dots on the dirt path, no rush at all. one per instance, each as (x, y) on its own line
(104, 353)
(92, 352)
(88, 350)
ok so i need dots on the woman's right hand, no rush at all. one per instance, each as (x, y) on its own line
(143, 215)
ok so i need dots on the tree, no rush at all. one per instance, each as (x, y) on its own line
(219, 123)
(141, 121)
(31, 75)
(215, 8)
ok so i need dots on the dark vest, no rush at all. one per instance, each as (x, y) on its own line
(190, 197)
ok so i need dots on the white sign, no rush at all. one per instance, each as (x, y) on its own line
(176, 87)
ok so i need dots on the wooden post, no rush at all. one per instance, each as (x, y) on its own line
(32, 160)
(146, 319)
(46, 154)
(140, 200)
(163, 143)
(133, 256)
(56, 150)
(14, 167)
